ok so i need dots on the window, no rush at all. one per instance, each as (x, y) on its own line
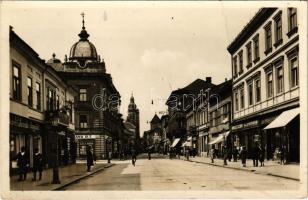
(250, 94)
(51, 99)
(235, 66)
(38, 96)
(240, 57)
(212, 118)
(16, 83)
(268, 38)
(236, 101)
(292, 19)
(83, 121)
(278, 30)
(294, 72)
(30, 93)
(258, 90)
(242, 98)
(225, 111)
(269, 81)
(256, 48)
(279, 79)
(83, 94)
(249, 57)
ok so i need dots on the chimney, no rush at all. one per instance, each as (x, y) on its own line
(208, 79)
(226, 79)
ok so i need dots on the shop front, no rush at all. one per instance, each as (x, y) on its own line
(24, 133)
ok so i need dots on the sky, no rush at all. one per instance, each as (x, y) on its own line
(149, 48)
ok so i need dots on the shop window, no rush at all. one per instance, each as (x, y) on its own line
(30, 93)
(16, 83)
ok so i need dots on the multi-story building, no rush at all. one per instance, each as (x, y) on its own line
(154, 137)
(265, 70)
(97, 105)
(40, 103)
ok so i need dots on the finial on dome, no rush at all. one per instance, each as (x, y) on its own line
(53, 55)
(82, 14)
(65, 58)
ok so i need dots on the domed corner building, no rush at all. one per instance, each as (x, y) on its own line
(98, 122)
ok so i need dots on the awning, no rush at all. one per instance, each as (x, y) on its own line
(218, 139)
(189, 138)
(184, 144)
(175, 142)
(283, 119)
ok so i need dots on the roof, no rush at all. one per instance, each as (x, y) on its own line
(260, 17)
(193, 88)
(155, 119)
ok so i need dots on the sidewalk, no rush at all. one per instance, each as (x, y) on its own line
(273, 168)
(68, 174)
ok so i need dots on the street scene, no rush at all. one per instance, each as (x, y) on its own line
(146, 99)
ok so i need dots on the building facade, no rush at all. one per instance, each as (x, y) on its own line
(98, 121)
(36, 92)
(265, 70)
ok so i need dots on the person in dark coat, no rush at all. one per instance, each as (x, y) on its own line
(22, 163)
(262, 155)
(255, 155)
(282, 155)
(235, 154)
(149, 153)
(134, 156)
(225, 154)
(37, 164)
(243, 155)
(90, 159)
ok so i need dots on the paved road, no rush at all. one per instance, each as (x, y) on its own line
(165, 174)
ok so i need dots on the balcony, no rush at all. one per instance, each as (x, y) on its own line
(57, 117)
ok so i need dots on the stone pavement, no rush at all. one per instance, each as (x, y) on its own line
(68, 174)
(273, 168)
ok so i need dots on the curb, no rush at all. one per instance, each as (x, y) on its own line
(247, 170)
(82, 177)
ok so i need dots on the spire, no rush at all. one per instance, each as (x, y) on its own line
(83, 33)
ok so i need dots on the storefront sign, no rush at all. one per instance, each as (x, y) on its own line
(250, 124)
(86, 136)
(239, 126)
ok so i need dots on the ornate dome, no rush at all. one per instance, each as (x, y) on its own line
(132, 105)
(83, 49)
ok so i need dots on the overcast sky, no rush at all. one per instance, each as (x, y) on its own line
(149, 49)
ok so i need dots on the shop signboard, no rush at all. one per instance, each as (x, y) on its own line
(86, 136)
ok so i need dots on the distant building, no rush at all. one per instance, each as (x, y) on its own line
(133, 116)
(154, 137)
(265, 70)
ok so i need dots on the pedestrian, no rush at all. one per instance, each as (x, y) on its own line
(38, 164)
(225, 154)
(212, 154)
(235, 154)
(22, 163)
(243, 155)
(282, 155)
(89, 158)
(149, 153)
(187, 154)
(255, 154)
(134, 156)
(262, 155)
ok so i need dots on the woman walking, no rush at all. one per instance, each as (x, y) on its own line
(243, 156)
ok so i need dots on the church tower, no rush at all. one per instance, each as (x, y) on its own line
(133, 116)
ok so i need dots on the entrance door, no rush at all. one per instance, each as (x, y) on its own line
(294, 140)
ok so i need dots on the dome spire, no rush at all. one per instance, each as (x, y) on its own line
(83, 33)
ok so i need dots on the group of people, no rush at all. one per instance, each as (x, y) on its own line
(23, 164)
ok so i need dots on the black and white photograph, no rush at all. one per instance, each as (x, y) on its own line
(153, 100)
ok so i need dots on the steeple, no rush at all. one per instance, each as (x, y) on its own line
(83, 33)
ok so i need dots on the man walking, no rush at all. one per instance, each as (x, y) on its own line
(225, 154)
(89, 158)
(255, 154)
(212, 154)
(134, 156)
(22, 163)
(38, 164)
(243, 155)
(235, 153)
